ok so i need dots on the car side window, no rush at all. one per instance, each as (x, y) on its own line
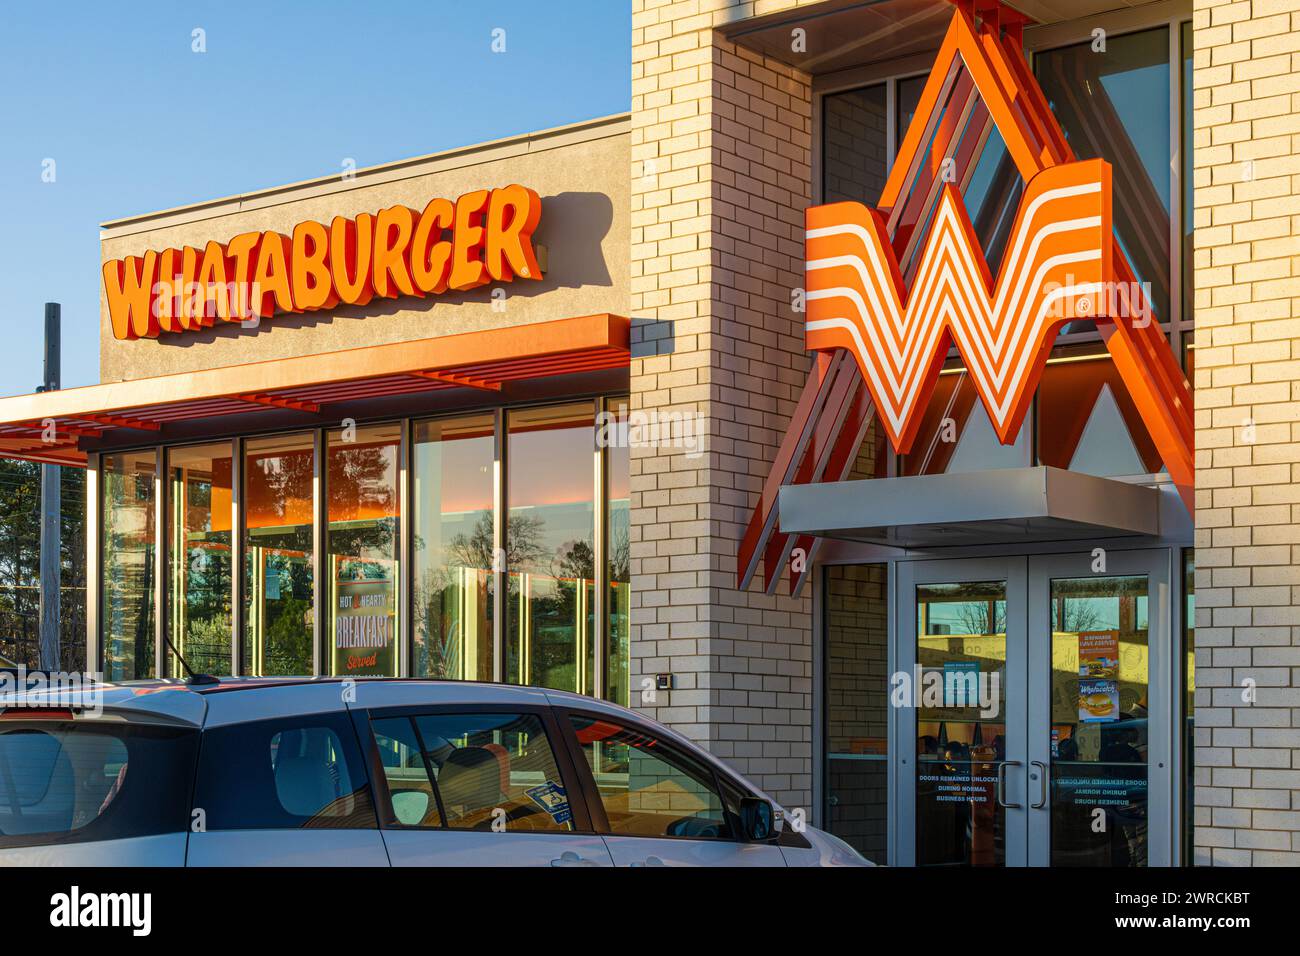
(410, 788)
(648, 787)
(284, 774)
(65, 781)
(472, 771)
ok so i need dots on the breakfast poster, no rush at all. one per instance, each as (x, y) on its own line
(364, 617)
(1098, 675)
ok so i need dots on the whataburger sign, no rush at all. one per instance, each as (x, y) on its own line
(484, 236)
(881, 342)
(1057, 267)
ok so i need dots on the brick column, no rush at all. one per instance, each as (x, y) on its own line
(721, 142)
(1247, 278)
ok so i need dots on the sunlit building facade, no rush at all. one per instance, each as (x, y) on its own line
(386, 480)
(591, 443)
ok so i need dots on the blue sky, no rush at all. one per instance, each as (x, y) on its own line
(136, 121)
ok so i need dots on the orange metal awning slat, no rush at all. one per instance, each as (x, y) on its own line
(482, 359)
(362, 388)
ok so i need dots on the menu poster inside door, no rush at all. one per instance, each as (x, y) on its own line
(1098, 676)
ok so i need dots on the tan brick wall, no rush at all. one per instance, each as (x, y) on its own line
(721, 141)
(1247, 278)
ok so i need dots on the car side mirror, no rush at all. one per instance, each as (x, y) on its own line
(409, 806)
(757, 820)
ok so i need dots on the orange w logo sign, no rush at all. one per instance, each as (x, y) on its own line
(1057, 267)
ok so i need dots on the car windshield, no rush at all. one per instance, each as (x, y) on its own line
(54, 780)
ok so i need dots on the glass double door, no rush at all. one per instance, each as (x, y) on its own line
(1033, 711)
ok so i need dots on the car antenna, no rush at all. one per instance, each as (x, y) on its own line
(194, 678)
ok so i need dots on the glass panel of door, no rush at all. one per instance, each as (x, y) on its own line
(1098, 738)
(1040, 713)
(961, 646)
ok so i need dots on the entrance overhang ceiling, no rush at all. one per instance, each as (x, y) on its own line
(1000, 506)
(842, 34)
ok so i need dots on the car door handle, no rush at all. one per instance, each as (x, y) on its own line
(569, 858)
(1002, 785)
(650, 861)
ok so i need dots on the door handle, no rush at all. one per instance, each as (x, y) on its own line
(569, 858)
(650, 861)
(1002, 785)
(1042, 785)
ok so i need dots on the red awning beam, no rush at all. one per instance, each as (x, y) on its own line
(53, 426)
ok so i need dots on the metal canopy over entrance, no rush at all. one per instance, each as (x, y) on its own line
(60, 427)
(999, 506)
(894, 295)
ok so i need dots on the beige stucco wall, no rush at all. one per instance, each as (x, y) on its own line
(580, 171)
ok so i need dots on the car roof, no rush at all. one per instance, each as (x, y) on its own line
(188, 702)
(166, 700)
(231, 700)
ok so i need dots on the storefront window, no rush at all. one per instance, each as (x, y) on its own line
(1088, 421)
(857, 707)
(453, 466)
(559, 474)
(550, 556)
(956, 434)
(1114, 104)
(908, 96)
(992, 197)
(1189, 705)
(854, 142)
(199, 558)
(1189, 211)
(279, 473)
(618, 556)
(362, 548)
(128, 564)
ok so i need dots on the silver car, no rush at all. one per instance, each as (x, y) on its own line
(333, 772)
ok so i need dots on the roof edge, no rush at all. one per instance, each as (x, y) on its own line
(596, 128)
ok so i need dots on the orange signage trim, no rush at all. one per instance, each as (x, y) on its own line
(484, 236)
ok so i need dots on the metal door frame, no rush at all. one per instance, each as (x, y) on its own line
(1013, 569)
(1162, 680)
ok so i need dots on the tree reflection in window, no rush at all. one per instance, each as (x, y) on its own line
(551, 525)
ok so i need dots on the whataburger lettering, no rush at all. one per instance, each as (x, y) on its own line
(484, 236)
